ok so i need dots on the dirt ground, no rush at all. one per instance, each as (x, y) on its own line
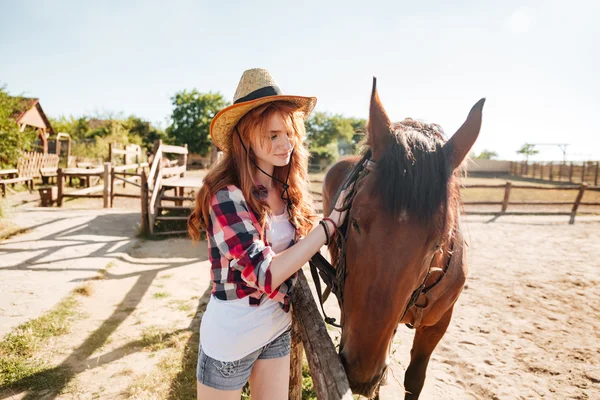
(527, 325)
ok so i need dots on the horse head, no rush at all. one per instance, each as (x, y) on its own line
(400, 223)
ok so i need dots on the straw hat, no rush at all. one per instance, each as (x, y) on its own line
(256, 88)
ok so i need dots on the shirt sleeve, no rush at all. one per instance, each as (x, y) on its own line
(235, 234)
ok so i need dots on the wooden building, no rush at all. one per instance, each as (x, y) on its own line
(29, 113)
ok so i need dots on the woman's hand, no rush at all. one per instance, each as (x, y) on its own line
(336, 216)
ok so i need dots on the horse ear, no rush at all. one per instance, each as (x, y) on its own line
(379, 125)
(461, 142)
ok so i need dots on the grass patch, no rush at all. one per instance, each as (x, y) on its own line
(161, 295)
(165, 276)
(110, 265)
(175, 373)
(19, 365)
(181, 305)
(84, 290)
(9, 229)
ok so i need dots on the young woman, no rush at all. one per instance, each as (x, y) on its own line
(254, 206)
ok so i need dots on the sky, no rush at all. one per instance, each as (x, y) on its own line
(537, 62)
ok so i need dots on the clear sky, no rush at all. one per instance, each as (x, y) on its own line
(537, 62)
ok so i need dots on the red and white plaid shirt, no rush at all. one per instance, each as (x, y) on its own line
(240, 259)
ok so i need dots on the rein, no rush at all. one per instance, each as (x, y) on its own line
(335, 277)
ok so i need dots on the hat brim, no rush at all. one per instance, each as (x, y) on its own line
(221, 127)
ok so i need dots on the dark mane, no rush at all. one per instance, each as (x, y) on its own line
(414, 173)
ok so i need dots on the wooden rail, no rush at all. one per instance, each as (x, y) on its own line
(586, 171)
(509, 186)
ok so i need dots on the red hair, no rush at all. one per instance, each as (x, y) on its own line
(236, 168)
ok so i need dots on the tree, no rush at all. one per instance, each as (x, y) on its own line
(486, 155)
(359, 125)
(323, 129)
(146, 132)
(191, 117)
(528, 150)
(12, 141)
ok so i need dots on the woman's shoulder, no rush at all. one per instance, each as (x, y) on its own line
(229, 193)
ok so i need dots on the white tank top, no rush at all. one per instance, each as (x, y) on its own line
(232, 329)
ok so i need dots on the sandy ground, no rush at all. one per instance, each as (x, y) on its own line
(526, 327)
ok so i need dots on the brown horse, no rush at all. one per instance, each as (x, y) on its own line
(401, 248)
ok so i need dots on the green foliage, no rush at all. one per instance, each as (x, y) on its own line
(528, 150)
(359, 126)
(12, 142)
(116, 132)
(144, 130)
(326, 134)
(323, 129)
(486, 155)
(77, 128)
(191, 117)
(91, 135)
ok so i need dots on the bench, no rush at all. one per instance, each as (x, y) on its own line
(48, 173)
(24, 179)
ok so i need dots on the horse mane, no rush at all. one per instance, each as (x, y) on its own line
(415, 176)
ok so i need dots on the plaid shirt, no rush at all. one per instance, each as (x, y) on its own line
(240, 260)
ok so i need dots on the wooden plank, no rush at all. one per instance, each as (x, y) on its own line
(188, 182)
(174, 149)
(129, 195)
(486, 203)
(87, 196)
(16, 180)
(123, 168)
(83, 172)
(506, 196)
(577, 201)
(165, 218)
(107, 185)
(144, 201)
(329, 379)
(541, 203)
(86, 191)
(9, 171)
(170, 171)
(60, 180)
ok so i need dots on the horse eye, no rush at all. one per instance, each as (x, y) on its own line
(355, 225)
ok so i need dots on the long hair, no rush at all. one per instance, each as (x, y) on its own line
(236, 168)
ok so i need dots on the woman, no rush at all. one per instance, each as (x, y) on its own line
(254, 206)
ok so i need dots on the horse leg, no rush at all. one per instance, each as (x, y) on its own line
(425, 341)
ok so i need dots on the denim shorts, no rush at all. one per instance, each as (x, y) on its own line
(233, 375)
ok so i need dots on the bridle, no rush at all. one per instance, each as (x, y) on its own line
(335, 277)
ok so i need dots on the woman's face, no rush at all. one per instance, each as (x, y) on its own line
(276, 147)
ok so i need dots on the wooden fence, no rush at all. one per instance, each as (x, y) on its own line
(30, 163)
(587, 171)
(132, 161)
(161, 169)
(508, 186)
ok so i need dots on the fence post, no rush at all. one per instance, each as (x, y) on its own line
(583, 172)
(60, 179)
(571, 172)
(577, 202)
(185, 158)
(550, 173)
(596, 174)
(112, 186)
(506, 195)
(542, 171)
(106, 192)
(144, 198)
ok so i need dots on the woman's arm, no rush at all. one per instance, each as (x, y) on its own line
(234, 236)
(286, 263)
